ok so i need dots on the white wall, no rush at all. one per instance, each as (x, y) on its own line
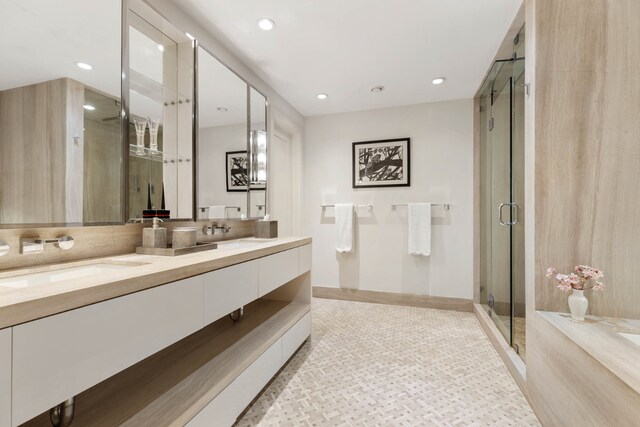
(441, 172)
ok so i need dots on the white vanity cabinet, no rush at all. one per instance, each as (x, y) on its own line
(225, 408)
(57, 357)
(5, 377)
(275, 270)
(228, 289)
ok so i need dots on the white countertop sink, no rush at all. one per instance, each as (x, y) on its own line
(70, 273)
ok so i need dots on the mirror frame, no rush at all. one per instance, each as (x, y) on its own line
(196, 130)
(124, 121)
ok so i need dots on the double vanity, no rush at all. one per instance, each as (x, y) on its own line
(147, 340)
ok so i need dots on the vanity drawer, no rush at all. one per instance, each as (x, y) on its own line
(60, 356)
(276, 270)
(294, 337)
(228, 289)
(304, 259)
(5, 377)
(229, 404)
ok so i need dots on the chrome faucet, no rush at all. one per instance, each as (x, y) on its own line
(35, 245)
(215, 229)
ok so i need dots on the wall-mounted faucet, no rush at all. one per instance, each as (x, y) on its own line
(215, 229)
(35, 245)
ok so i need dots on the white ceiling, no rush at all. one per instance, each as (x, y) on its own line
(344, 48)
(42, 40)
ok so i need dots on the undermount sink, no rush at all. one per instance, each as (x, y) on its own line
(634, 338)
(54, 276)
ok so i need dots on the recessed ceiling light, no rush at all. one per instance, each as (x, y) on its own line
(377, 89)
(161, 48)
(223, 109)
(89, 107)
(322, 96)
(438, 80)
(266, 24)
(190, 36)
(84, 65)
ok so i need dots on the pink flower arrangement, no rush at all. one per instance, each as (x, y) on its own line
(579, 279)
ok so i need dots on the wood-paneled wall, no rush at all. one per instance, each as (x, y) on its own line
(587, 145)
(101, 241)
(33, 140)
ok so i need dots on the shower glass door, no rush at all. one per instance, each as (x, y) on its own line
(501, 199)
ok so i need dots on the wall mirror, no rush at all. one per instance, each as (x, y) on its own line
(61, 155)
(160, 117)
(258, 154)
(232, 143)
(222, 140)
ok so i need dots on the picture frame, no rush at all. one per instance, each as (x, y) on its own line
(236, 171)
(381, 163)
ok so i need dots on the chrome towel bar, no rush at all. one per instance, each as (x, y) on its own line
(369, 207)
(446, 206)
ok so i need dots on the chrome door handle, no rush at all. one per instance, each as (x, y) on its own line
(500, 214)
(515, 221)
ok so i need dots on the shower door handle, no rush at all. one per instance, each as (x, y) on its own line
(511, 205)
(515, 221)
(500, 214)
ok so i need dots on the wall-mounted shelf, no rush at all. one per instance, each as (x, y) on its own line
(155, 155)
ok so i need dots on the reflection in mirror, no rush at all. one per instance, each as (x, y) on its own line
(222, 140)
(160, 117)
(60, 146)
(258, 157)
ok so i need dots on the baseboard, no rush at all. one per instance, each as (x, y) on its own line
(510, 358)
(425, 301)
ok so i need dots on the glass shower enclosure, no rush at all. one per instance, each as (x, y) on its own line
(502, 206)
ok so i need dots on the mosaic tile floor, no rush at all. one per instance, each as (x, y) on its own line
(383, 365)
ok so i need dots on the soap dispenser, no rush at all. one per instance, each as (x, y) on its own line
(154, 236)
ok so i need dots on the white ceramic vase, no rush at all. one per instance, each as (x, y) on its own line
(578, 305)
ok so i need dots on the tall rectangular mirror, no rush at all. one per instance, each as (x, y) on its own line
(258, 154)
(61, 154)
(222, 140)
(160, 117)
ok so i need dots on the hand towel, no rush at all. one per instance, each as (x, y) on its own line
(344, 227)
(217, 212)
(419, 229)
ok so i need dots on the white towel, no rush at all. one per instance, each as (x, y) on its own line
(344, 227)
(419, 229)
(217, 212)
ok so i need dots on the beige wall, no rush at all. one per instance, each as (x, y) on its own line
(582, 168)
(587, 148)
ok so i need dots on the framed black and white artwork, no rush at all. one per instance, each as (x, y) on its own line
(237, 176)
(384, 163)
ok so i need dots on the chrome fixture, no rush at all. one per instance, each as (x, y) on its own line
(4, 247)
(36, 245)
(204, 208)
(208, 230)
(369, 207)
(62, 415)
(512, 205)
(446, 206)
(237, 315)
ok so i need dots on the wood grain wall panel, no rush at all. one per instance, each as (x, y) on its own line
(587, 151)
(99, 241)
(34, 115)
(568, 387)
